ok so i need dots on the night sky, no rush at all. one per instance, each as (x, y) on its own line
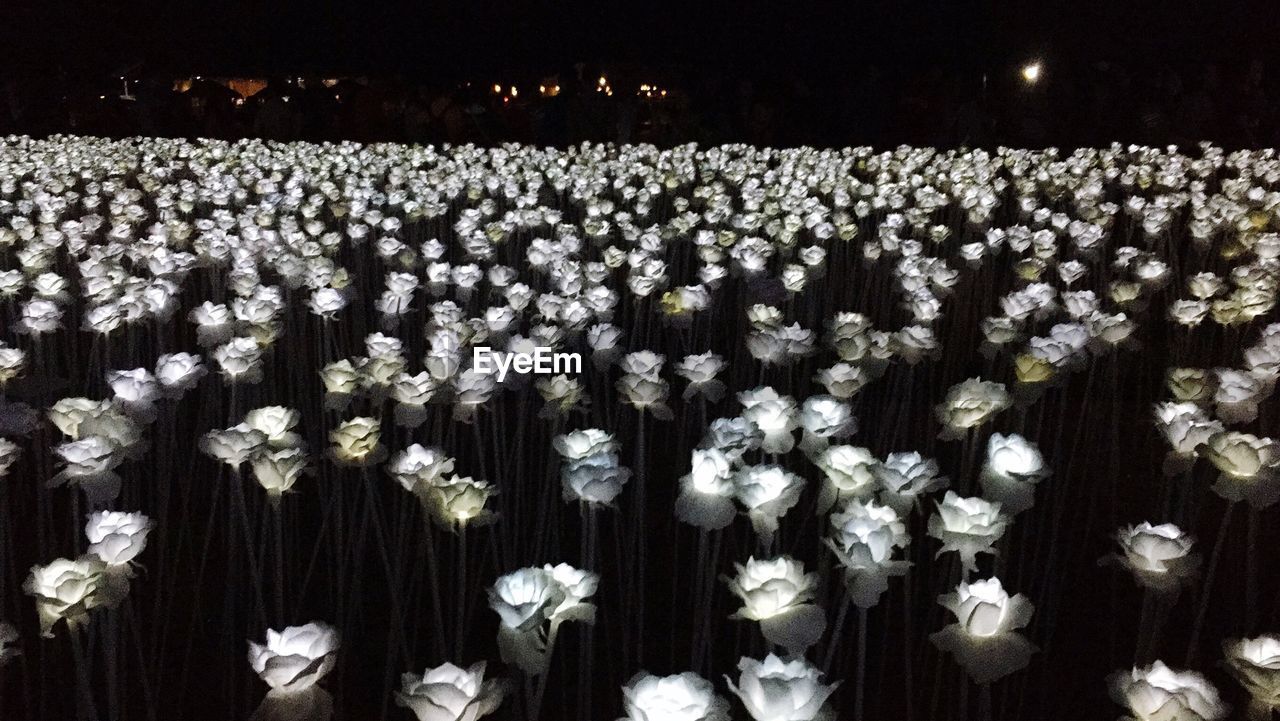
(447, 39)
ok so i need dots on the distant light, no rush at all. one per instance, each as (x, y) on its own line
(497, 88)
(1031, 72)
(602, 81)
(514, 93)
(542, 89)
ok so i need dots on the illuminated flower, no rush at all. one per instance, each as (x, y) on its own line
(1012, 469)
(848, 473)
(984, 640)
(968, 526)
(778, 593)
(904, 477)
(1159, 557)
(450, 693)
(1158, 693)
(117, 538)
(277, 470)
(297, 658)
(1247, 466)
(700, 371)
(706, 494)
(777, 690)
(865, 537)
(355, 442)
(681, 697)
(767, 492)
(970, 404)
(276, 423)
(178, 372)
(65, 589)
(233, 446)
(590, 471)
(1255, 664)
(460, 501)
(774, 415)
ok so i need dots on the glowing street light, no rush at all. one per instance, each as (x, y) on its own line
(1031, 72)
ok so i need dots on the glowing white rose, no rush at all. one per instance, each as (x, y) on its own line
(450, 693)
(297, 658)
(777, 690)
(1248, 467)
(848, 473)
(1158, 693)
(767, 492)
(1012, 469)
(1255, 664)
(970, 404)
(865, 537)
(681, 697)
(1159, 557)
(706, 494)
(117, 538)
(968, 526)
(983, 639)
(778, 593)
(355, 441)
(276, 423)
(65, 589)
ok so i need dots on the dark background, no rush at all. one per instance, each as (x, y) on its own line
(826, 73)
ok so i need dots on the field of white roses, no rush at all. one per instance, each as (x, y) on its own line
(910, 434)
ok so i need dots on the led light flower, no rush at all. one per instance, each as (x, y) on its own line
(297, 658)
(680, 697)
(1255, 664)
(355, 442)
(525, 600)
(1247, 467)
(590, 471)
(178, 373)
(824, 418)
(848, 473)
(9, 454)
(778, 593)
(968, 526)
(65, 590)
(233, 446)
(117, 538)
(459, 502)
(1159, 557)
(417, 468)
(701, 371)
(706, 494)
(239, 360)
(767, 492)
(12, 362)
(777, 690)
(984, 640)
(774, 415)
(450, 693)
(276, 423)
(1158, 693)
(278, 469)
(904, 477)
(865, 537)
(968, 405)
(1012, 469)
